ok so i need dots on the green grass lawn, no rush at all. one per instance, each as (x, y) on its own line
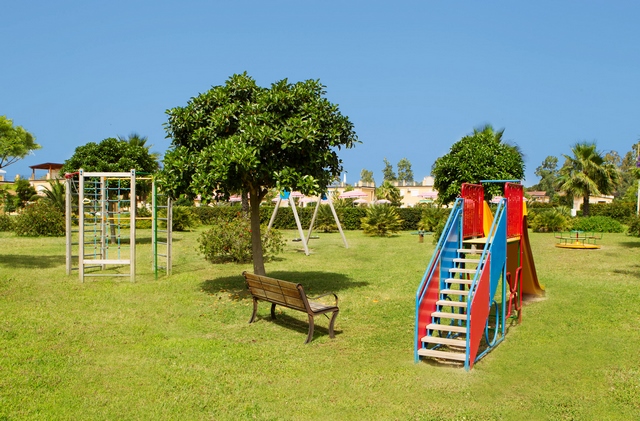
(181, 348)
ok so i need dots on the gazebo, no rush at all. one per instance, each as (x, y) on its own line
(52, 170)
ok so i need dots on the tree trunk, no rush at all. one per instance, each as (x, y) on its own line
(256, 241)
(245, 202)
(585, 205)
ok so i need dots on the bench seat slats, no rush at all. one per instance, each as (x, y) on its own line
(290, 295)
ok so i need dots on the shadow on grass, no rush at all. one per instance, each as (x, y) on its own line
(30, 262)
(630, 244)
(321, 325)
(314, 283)
(631, 270)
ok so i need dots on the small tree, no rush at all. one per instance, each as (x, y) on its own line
(388, 191)
(15, 142)
(387, 171)
(479, 156)
(366, 176)
(586, 173)
(240, 137)
(405, 173)
(24, 191)
(548, 173)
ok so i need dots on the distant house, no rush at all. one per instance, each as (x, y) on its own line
(43, 182)
(412, 192)
(538, 196)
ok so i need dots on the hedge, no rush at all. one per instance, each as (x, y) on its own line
(620, 211)
(349, 217)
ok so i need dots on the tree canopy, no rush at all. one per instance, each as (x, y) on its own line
(366, 176)
(243, 138)
(15, 142)
(111, 155)
(586, 173)
(481, 155)
(405, 173)
(387, 171)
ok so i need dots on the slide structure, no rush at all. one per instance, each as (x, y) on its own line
(480, 271)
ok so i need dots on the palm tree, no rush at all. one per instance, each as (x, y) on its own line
(56, 195)
(586, 173)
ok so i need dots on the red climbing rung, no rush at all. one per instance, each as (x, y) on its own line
(473, 195)
(514, 194)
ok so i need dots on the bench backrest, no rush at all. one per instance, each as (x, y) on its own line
(276, 291)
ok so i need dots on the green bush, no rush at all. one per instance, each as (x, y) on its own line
(411, 217)
(146, 222)
(40, 219)
(230, 241)
(381, 220)
(325, 221)
(597, 224)
(620, 211)
(183, 218)
(432, 217)
(6, 222)
(550, 220)
(634, 226)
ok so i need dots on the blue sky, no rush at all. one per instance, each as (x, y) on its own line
(413, 76)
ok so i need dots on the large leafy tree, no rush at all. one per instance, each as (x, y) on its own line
(240, 137)
(111, 155)
(405, 173)
(481, 155)
(587, 173)
(15, 142)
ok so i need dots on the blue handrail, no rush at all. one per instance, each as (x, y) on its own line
(452, 220)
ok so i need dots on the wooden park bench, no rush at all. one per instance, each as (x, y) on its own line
(290, 295)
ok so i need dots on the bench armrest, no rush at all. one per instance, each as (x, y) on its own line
(324, 295)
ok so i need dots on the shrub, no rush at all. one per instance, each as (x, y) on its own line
(597, 224)
(634, 226)
(6, 222)
(40, 219)
(231, 241)
(550, 220)
(184, 218)
(146, 222)
(432, 216)
(325, 221)
(382, 220)
(620, 211)
(410, 217)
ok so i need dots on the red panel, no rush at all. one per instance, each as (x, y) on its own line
(473, 195)
(514, 193)
(479, 312)
(428, 303)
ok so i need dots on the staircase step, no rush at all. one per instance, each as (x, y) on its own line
(459, 281)
(462, 270)
(447, 328)
(465, 260)
(457, 356)
(469, 251)
(451, 303)
(445, 315)
(444, 341)
(454, 292)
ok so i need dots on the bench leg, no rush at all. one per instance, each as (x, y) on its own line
(333, 320)
(310, 335)
(255, 310)
(273, 311)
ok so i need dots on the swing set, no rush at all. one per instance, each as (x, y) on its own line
(287, 195)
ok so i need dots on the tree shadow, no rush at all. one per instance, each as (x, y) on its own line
(31, 262)
(630, 270)
(313, 282)
(630, 244)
